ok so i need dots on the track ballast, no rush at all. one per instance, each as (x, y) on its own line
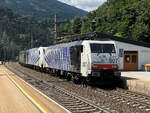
(68, 94)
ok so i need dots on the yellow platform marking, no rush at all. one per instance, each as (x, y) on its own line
(24, 92)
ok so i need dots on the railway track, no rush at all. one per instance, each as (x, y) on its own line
(70, 100)
(133, 99)
(139, 102)
(136, 100)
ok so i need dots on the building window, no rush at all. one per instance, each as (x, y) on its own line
(127, 58)
(134, 58)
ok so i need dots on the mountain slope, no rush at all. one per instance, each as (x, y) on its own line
(20, 33)
(43, 8)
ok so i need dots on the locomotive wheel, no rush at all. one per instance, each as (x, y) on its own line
(68, 76)
(118, 81)
(88, 80)
(77, 79)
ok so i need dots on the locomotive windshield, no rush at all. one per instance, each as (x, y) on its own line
(102, 48)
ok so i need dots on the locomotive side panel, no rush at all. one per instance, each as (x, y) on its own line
(22, 57)
(57, 58)
(33, 56)
(66, 57)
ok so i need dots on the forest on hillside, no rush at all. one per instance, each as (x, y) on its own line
(122, 18)
(20, 33)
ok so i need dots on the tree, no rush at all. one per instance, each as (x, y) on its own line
(76, 27)
(86, 27)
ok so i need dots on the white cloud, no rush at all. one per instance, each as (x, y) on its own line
(87, 5)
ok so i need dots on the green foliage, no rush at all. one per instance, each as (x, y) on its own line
(86, 28)
(67, 28)
(63, 40)
(76, 25)
(125, 18)
(118, 34)
(122, 18)
(19, 33)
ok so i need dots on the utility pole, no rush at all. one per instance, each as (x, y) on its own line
(31, 40)
(55, 28)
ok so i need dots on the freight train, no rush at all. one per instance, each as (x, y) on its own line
(86, 60)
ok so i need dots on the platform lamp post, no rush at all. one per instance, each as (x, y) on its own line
(4, 45)
(4, 49)
(2, 41)
(31, 25)
(31, 39)
(4, 53)
(55, 29)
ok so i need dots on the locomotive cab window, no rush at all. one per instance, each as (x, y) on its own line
(44, 51)
(102, 48)
(81, 48)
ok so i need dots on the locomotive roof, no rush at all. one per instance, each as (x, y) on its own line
(101, 36)
(77, 43)
(32, 49)
(74, 43)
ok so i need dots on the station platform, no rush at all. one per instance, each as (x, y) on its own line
(137, 81)
(17, 96)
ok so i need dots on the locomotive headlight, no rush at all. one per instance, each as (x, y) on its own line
(114, 66)
(94, 66)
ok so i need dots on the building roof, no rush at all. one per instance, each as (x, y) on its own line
(101, 36)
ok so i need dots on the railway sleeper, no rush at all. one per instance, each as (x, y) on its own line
(88, 111)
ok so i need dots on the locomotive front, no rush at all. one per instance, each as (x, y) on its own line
(102, 60)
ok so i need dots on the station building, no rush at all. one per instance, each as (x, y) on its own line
(132, 54)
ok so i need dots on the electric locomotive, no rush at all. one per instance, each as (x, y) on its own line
(83, 60)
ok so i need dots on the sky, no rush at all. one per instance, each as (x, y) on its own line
(88, 5)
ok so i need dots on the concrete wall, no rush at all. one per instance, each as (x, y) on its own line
(143, 53)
